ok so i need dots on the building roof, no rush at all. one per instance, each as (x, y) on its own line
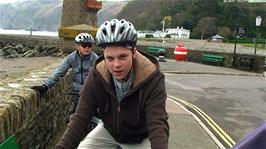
(217, 37)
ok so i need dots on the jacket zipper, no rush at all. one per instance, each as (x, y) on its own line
(118, 113)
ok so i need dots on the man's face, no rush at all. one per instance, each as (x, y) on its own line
(83, 49)
(119, 61)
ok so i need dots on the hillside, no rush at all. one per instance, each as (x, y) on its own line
(109, 11)
(45, 15)
(35, 14)
(148, 14)
(202, 17)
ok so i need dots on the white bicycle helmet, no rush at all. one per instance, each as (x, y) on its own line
(116, 32)
(84, 38)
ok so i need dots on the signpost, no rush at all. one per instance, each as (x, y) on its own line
(236, 36)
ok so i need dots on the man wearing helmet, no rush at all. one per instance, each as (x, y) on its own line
(80, 61)
(128, 89)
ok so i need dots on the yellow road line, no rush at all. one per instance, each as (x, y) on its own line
(226, 138)
(217, 126)
(209, 132)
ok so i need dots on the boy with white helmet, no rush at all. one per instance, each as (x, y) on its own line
(127, 89)
(80, 61)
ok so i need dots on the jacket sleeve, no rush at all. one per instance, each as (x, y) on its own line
(156, 115)
(79, 121)
(59, 72)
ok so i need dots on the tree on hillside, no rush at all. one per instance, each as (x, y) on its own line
(230, 15)
(167, 21)
(204, 8)
(148, 14)
(183, 19)
(224, 31)
(205, 25)
(144, 14)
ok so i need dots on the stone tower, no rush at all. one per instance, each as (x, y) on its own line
(77, 12)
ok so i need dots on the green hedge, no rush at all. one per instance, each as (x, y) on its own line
(148, 36)
(246, 40)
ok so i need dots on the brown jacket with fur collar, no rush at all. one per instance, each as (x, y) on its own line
(140, 114)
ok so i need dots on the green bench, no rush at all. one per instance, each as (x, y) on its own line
(9, 143)
(213, 59)
(156, 51)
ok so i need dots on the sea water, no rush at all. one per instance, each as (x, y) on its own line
(27, 32)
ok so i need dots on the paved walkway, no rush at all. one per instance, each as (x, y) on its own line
(186, 130)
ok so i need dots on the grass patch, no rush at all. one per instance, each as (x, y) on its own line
(259, 46)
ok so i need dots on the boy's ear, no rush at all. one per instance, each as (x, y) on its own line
(134, 53)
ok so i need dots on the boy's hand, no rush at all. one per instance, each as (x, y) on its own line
(41, 89)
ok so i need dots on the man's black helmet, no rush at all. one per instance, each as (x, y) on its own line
(116, 32)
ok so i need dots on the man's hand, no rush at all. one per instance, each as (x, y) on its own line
(41, 89)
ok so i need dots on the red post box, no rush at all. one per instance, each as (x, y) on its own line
(180, 52)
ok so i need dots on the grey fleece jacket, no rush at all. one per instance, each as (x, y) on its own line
(80, 68)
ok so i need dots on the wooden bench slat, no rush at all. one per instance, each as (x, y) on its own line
(212, 58)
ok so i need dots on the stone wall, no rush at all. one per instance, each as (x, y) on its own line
(38, 40)
(32, 119)
(66, 45)
(196, 55)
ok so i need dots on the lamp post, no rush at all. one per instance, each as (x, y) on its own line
(236, 36)
(163, 31)
(258, 23)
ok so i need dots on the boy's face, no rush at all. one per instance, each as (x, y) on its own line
(119, 61)
(84, 50)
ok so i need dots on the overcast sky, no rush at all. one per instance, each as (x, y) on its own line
(7, 1)
(10, 1)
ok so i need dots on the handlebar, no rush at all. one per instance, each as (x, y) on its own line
(73, 94)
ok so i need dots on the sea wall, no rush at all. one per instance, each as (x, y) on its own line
(33, 119)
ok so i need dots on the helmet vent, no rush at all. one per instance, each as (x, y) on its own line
(121, 30)
(104, 32)
(113, 28)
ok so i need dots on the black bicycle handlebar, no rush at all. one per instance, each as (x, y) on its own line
(73, 94)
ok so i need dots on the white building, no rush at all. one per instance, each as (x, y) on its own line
(178, 33)
(142, 34)
(249, 1)
(159, 34)
(217, 38)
